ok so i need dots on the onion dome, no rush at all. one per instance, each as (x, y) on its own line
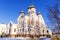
(31, 6)
(22, 12)
(38, 13)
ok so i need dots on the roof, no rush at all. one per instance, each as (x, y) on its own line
(38, 13)
(22, 11)
(2, 25)
(31, 6)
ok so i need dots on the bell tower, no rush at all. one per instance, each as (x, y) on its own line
(32, 10)
(20, 18)
(40, 18)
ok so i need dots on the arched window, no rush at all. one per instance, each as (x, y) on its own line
(23, 29)
(43, 31)
(47, 31)
(14, 29)
(33, 11)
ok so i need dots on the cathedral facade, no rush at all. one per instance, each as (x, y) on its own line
(31, 24)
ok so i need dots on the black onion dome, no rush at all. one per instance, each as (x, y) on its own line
(31, 6)
(38, 13)
(22, 11)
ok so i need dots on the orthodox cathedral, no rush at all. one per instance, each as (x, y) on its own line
(28, 25)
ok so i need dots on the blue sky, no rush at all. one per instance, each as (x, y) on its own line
(9, 9)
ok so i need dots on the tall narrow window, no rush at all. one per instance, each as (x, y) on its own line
(15, 30)
(43, 31)
(32, 11)
(23, 29)
(28, 29)
(47, 31)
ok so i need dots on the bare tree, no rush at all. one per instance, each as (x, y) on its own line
(54, 17)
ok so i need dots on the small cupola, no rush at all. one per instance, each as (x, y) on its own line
(38, 13)
(22, 12)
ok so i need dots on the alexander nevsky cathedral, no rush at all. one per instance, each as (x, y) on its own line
(30, 25)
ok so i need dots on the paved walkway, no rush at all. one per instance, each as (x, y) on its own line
(24, 38)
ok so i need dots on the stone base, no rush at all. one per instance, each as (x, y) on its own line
(27, 35)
